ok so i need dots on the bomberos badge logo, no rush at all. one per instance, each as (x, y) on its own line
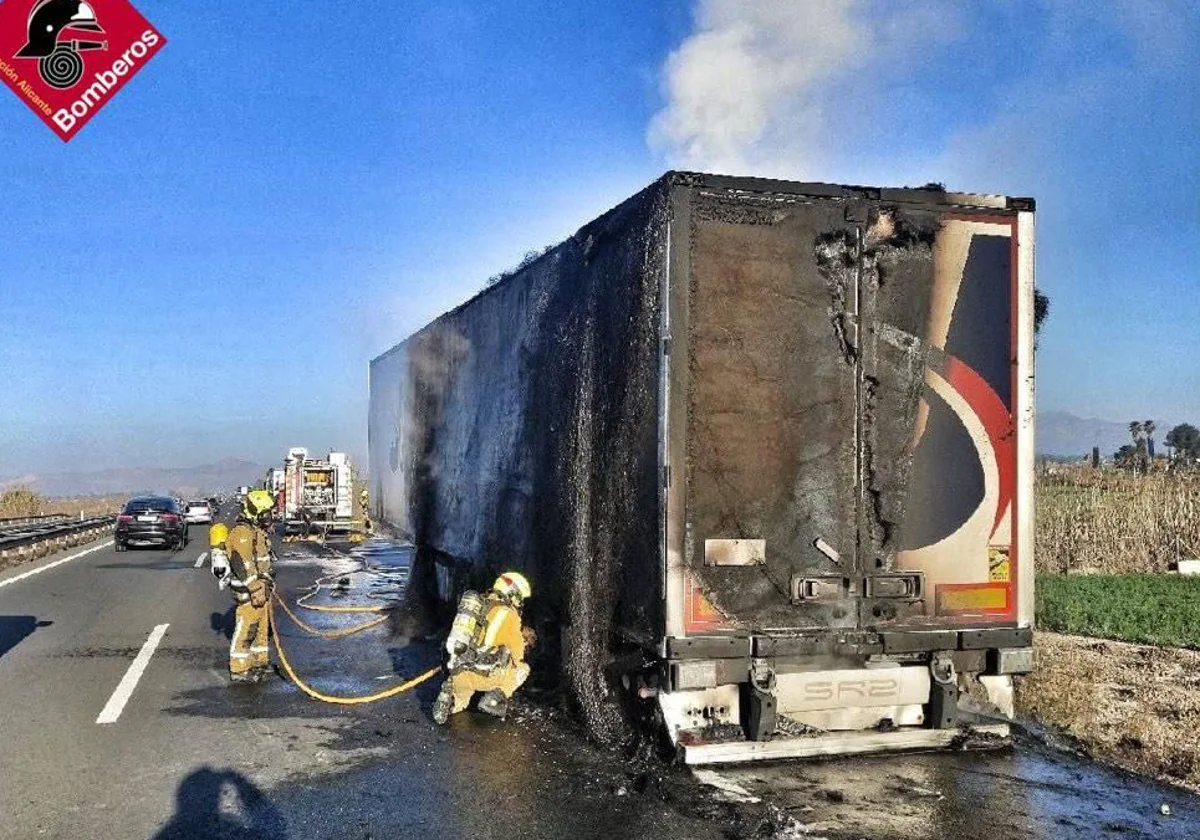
(66, 59)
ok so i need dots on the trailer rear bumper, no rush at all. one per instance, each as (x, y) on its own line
(834, 744)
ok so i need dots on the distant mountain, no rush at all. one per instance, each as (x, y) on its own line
(222, 476)
(1062, 433)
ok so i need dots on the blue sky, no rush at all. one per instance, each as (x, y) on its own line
(205, 271)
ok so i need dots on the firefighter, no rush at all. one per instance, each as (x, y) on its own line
(487, 649)
(241, 560)
(364, 501)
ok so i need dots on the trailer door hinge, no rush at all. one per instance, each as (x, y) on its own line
(666, 346)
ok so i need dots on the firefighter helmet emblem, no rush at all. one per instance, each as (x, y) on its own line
(59, 62)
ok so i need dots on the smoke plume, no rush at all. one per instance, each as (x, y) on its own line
(759, 84)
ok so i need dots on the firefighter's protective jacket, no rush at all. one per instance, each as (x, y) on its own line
(250, 569)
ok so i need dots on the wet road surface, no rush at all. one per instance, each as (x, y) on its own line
(1025, 791)
(190, 756)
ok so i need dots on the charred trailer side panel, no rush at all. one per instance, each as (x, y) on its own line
(521, 430)
(777, 435)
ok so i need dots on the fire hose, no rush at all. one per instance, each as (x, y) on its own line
(335, 634)
(330, 698)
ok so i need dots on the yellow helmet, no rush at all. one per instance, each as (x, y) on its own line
(258, 502)
(513, 586)
(217, 535)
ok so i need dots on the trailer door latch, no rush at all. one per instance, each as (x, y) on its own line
(910, 586)
(819, 588)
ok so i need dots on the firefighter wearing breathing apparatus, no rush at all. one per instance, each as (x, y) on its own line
(241, 561)
(487, 649)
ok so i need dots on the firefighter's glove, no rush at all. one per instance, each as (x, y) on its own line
(530, 637)
(490, 660)
(259, 592)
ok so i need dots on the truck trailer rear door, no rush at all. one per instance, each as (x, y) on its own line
(938, 454)
(771, 415)
(851, 456)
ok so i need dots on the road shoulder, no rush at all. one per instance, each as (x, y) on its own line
(1137, 706)
(23, 571)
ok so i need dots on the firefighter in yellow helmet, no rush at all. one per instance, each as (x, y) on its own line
(241, 561)
(364, 503)
(487, 649)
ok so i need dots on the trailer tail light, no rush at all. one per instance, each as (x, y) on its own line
(972, 598)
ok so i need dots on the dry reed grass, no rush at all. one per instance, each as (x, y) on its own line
(21, 501)
(1104, 521)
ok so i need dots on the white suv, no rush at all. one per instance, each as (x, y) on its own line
(198, 512)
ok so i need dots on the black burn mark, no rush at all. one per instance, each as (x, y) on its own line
(837, 255)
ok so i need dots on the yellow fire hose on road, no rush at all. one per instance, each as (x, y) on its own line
(334, 634)
(329, 634)
(330, 698)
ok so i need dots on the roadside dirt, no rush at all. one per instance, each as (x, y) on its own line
(1137, 706)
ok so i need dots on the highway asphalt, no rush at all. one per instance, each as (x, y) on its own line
(117, 721)
(188, 755)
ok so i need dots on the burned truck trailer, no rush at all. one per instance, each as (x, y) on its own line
(776, 436)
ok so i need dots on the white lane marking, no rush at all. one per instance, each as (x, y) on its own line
(200, 560)
(116, 704)
(39, 570)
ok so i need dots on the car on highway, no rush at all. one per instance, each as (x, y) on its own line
(198, 512)
(151, 520)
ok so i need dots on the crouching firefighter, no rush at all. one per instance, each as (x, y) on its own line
(241, 561)
(487, 649)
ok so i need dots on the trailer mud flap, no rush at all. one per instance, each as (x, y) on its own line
(759, 708)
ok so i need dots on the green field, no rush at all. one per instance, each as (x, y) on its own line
(1151, 608)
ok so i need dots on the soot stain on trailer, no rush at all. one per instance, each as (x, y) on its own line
(769, 397)
(527, 441)
(891, 317)
(897, 259)
(836, 253)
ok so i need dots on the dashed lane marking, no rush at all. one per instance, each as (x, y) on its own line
(40, 569)
(116, 704)
(200, 560)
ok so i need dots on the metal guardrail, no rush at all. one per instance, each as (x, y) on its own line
(36, 539)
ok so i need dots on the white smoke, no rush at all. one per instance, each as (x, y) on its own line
(758, 84)
(835, 90)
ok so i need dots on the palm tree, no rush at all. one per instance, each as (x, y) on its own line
(1148, 428)
(1135, 431)
(1139, 444)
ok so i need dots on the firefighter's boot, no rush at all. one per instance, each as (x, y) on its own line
(494, 703)
(444, 704)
